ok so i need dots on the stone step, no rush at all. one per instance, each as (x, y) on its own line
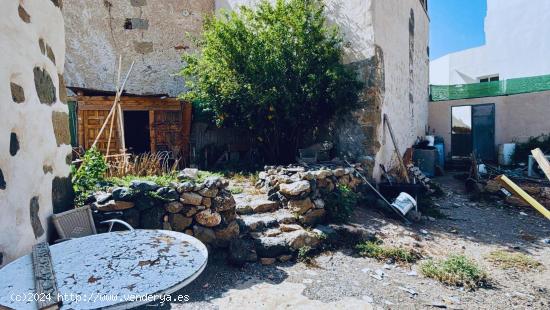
(284, 243)
(247, 204)
(263, 221)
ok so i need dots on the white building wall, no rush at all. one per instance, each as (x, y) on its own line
(31, 165)
(517, 45)
(405, 99)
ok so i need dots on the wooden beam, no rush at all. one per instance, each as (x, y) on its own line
(404, 170)
(542, 161)
(129, 106)
(152, 132)
(518, 192)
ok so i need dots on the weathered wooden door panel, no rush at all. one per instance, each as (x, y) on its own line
(168, 131)
(89, 123)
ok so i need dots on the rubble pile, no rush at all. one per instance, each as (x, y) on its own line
(205, 210)
(539, 192)
(302, 190)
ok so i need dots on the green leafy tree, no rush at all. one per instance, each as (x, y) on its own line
(275, 71)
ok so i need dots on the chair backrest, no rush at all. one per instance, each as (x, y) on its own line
(74, 223)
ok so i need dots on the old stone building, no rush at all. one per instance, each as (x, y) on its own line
(386, 41)
(35, 157)
(154, 34)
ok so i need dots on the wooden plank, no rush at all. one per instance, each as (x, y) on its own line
(518, 192)
(542, 161)
(81, 139)
(187, 111)
(44, 277)
(129, 103)
(404, 170)
(152, 134)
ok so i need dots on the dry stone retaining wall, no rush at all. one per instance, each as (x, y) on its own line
(205, 210)
(303, 191)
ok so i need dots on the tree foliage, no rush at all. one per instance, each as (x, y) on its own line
(91, 172)
(275, 71)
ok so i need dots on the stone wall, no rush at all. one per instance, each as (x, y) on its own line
(205, 210)
(154, 34)
(304, 191)
(35, 157)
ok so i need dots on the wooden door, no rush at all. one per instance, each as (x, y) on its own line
(89, 125)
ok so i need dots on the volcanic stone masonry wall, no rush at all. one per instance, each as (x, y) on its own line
(34, 130)
(205, 210)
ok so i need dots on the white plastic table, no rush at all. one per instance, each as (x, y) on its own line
(118, 270)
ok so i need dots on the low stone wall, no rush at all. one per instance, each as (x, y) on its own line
(205, 210)
(303, 190)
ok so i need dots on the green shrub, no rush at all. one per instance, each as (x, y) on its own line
(304, 254)
(375, 249)
(236, 190)
(340, 203)
(513, 260)
(275, 72)
(162, 180)
(456, 270)
(91, 172)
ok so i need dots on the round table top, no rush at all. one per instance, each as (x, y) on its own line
(117, 270)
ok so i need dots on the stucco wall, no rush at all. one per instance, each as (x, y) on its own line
(161, 32)
(517, 117)
(515, 45)
(402, 32)
(353, 17)
(35, 138)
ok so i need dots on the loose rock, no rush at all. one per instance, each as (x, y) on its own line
(208, 218)
(295, 189)
(191, 198)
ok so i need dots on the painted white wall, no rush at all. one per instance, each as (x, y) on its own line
(517, 45)
(408, 119)
(30, 120)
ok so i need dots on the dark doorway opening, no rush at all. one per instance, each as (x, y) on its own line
(136, 131)
(473, 129)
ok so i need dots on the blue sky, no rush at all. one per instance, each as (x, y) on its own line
(456, 25)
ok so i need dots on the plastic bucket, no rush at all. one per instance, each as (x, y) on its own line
(404, 203)
(506, 154)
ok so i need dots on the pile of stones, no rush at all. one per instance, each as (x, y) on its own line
(303, 190)
(205, 210)
(288, 214)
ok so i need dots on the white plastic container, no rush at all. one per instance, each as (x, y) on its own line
(404, 203)
(506, 154)
(431, 140)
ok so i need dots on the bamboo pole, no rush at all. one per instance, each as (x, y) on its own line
(117, 90)
(117, 98)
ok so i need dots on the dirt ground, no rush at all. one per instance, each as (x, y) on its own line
(342, 280)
